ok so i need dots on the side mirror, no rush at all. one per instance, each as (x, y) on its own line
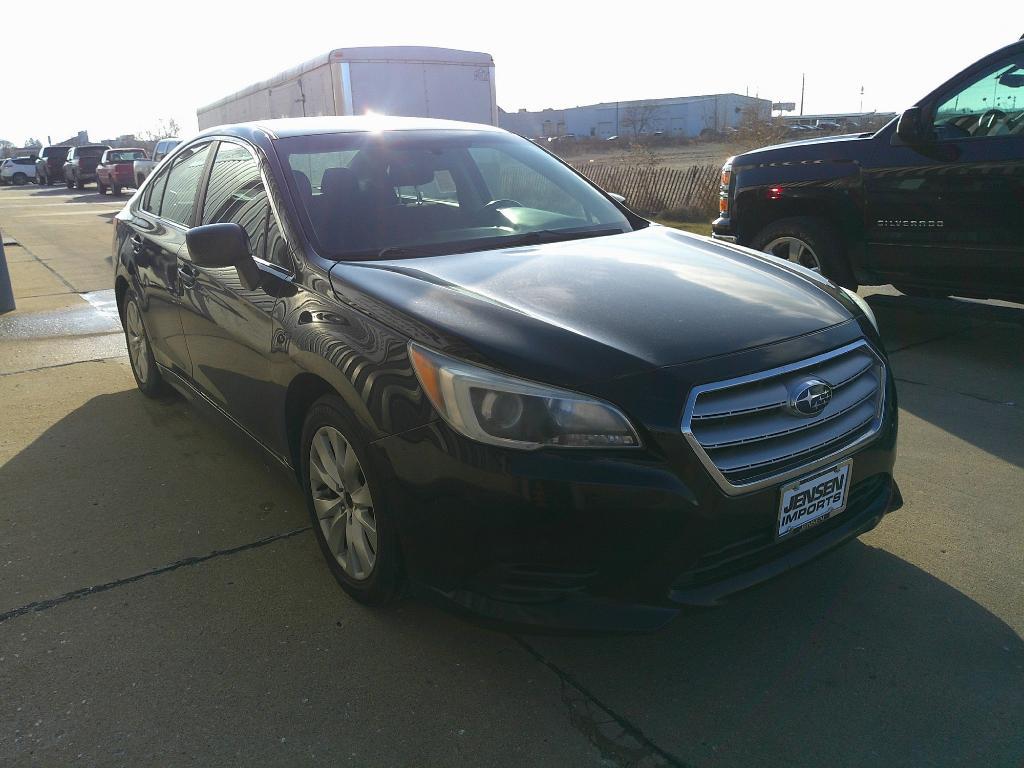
(617, 198)
(910, 128)
(223, 245)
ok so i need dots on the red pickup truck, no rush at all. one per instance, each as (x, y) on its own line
(116, 169)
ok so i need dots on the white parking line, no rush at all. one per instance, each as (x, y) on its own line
(56, 205)
(92, 212)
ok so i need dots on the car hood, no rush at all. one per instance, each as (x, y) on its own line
(593, 309)
(826, 147)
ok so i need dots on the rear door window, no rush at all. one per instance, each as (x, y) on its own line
(180, 191)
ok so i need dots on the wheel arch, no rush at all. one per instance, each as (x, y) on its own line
(120, 291)
(759, 212)
(303, 390)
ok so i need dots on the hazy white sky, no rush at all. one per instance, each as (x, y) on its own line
(132, 64)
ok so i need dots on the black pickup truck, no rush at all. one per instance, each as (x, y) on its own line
(932, 203)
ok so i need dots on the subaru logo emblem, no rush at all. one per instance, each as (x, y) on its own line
(808, 397)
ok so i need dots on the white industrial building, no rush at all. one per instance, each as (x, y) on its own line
(684, 116)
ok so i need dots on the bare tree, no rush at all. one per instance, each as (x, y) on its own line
(33, 143)
(639, 118)
(164, 129)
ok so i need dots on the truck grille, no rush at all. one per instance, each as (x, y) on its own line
(748, 436)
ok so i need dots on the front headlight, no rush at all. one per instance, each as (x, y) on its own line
(493, 408)
(864, 307)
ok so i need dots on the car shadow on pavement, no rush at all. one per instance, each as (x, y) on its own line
(140, 484)
(860, 658)
(958, 366)
(90, 195)
(857, 659)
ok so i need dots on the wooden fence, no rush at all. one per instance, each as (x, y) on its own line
(675, 192)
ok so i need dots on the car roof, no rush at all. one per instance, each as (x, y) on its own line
(310, 126)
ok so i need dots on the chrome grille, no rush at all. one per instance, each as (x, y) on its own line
(747, 438)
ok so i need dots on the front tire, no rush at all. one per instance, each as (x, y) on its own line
(810, 242)
(115, 190)
(100, 188)
(140, 352)
(351, 522)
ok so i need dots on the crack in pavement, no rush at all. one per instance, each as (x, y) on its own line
(43, 605)
(64, 365)
(618, 740)
(972, 395)
(914, 345)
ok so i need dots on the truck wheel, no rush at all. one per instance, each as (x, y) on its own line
(100, 187)
(115, 189)
(807, 241)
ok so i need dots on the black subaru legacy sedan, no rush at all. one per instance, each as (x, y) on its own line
(494, 383)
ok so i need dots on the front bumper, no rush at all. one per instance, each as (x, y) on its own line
(721, 229)
(586, 542)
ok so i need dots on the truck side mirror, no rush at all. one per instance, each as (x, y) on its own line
(909, 128)
(223, 245)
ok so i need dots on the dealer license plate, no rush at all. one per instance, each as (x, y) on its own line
(814, 499)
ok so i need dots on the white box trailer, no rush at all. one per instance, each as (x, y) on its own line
(410, 81)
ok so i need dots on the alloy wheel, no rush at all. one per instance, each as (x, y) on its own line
(137, 344)
(794, 249)
(343, 504)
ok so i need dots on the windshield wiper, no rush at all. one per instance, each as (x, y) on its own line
(536, 237)
(539, 236)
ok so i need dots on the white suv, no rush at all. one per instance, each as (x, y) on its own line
(18, 170)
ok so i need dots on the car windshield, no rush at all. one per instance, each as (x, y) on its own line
(411, 193)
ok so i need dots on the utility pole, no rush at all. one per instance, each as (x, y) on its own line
(862, 98)
(803, 82)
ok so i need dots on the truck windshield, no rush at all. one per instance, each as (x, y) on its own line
(411, 193)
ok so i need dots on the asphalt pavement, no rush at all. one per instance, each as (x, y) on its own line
(163, 601)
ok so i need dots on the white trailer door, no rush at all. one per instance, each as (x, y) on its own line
(459, 92)
(419, 89)
(387, 88)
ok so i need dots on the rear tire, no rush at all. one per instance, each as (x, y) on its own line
(351, 522)
(140, 352)
(808, 241)
(100, 188)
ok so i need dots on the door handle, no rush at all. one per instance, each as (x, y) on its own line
(188, 275)
(137, 243)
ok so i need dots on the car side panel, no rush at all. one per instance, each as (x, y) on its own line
(363, 360)
(148, 247)
(948, 215)
(229, 333)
